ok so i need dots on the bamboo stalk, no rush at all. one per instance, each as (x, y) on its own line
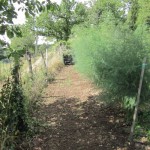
(137, 102)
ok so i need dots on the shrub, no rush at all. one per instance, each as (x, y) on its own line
(83, 47)
(13, 117)
(112, 57)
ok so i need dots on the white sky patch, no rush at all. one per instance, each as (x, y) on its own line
(21, 15)
(5, 38)
(57, 1)
(43, 40)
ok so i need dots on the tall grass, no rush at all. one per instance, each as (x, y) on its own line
(84, 45)
(5, 69)
(33, 88)
(112, 57)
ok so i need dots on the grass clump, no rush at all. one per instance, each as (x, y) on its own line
(5, 70)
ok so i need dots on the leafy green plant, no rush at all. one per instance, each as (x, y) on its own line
(148, 134)
(113, 60)
(13, 119)
(129, 103)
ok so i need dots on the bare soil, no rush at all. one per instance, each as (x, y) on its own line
(74, 117)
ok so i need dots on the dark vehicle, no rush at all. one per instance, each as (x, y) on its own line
(68, 60)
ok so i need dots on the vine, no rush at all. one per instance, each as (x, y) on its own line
(13, 117)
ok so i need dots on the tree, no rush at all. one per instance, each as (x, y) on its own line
(25, 43)
(133, 14)
(101, 8)
(58, 23)
(8, 13)
(27, 38)
(138, 13)
(144, 12)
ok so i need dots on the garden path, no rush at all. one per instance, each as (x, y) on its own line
(76, 119)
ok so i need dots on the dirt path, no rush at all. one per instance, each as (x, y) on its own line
(75, 119)
(69, 84)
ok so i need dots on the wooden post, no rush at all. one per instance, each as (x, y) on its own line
(30, 64)
(45, 65)
(36, 44)
(0, 68)
(137, 102)
(46, 55)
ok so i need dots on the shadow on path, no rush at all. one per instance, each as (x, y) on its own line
(76, 125)
(76, 119)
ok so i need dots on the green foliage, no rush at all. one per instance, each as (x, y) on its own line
(26, 42)
(13, 119)
(112, 57)
(8, 12)
(142, 128)
(4, 70)
(100, 7)
(85, 43)
(133, 14)
(34, 88)
(43, 47)
(144, 12)
(59, 22)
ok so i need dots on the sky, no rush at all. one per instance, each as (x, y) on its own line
(21, 16)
